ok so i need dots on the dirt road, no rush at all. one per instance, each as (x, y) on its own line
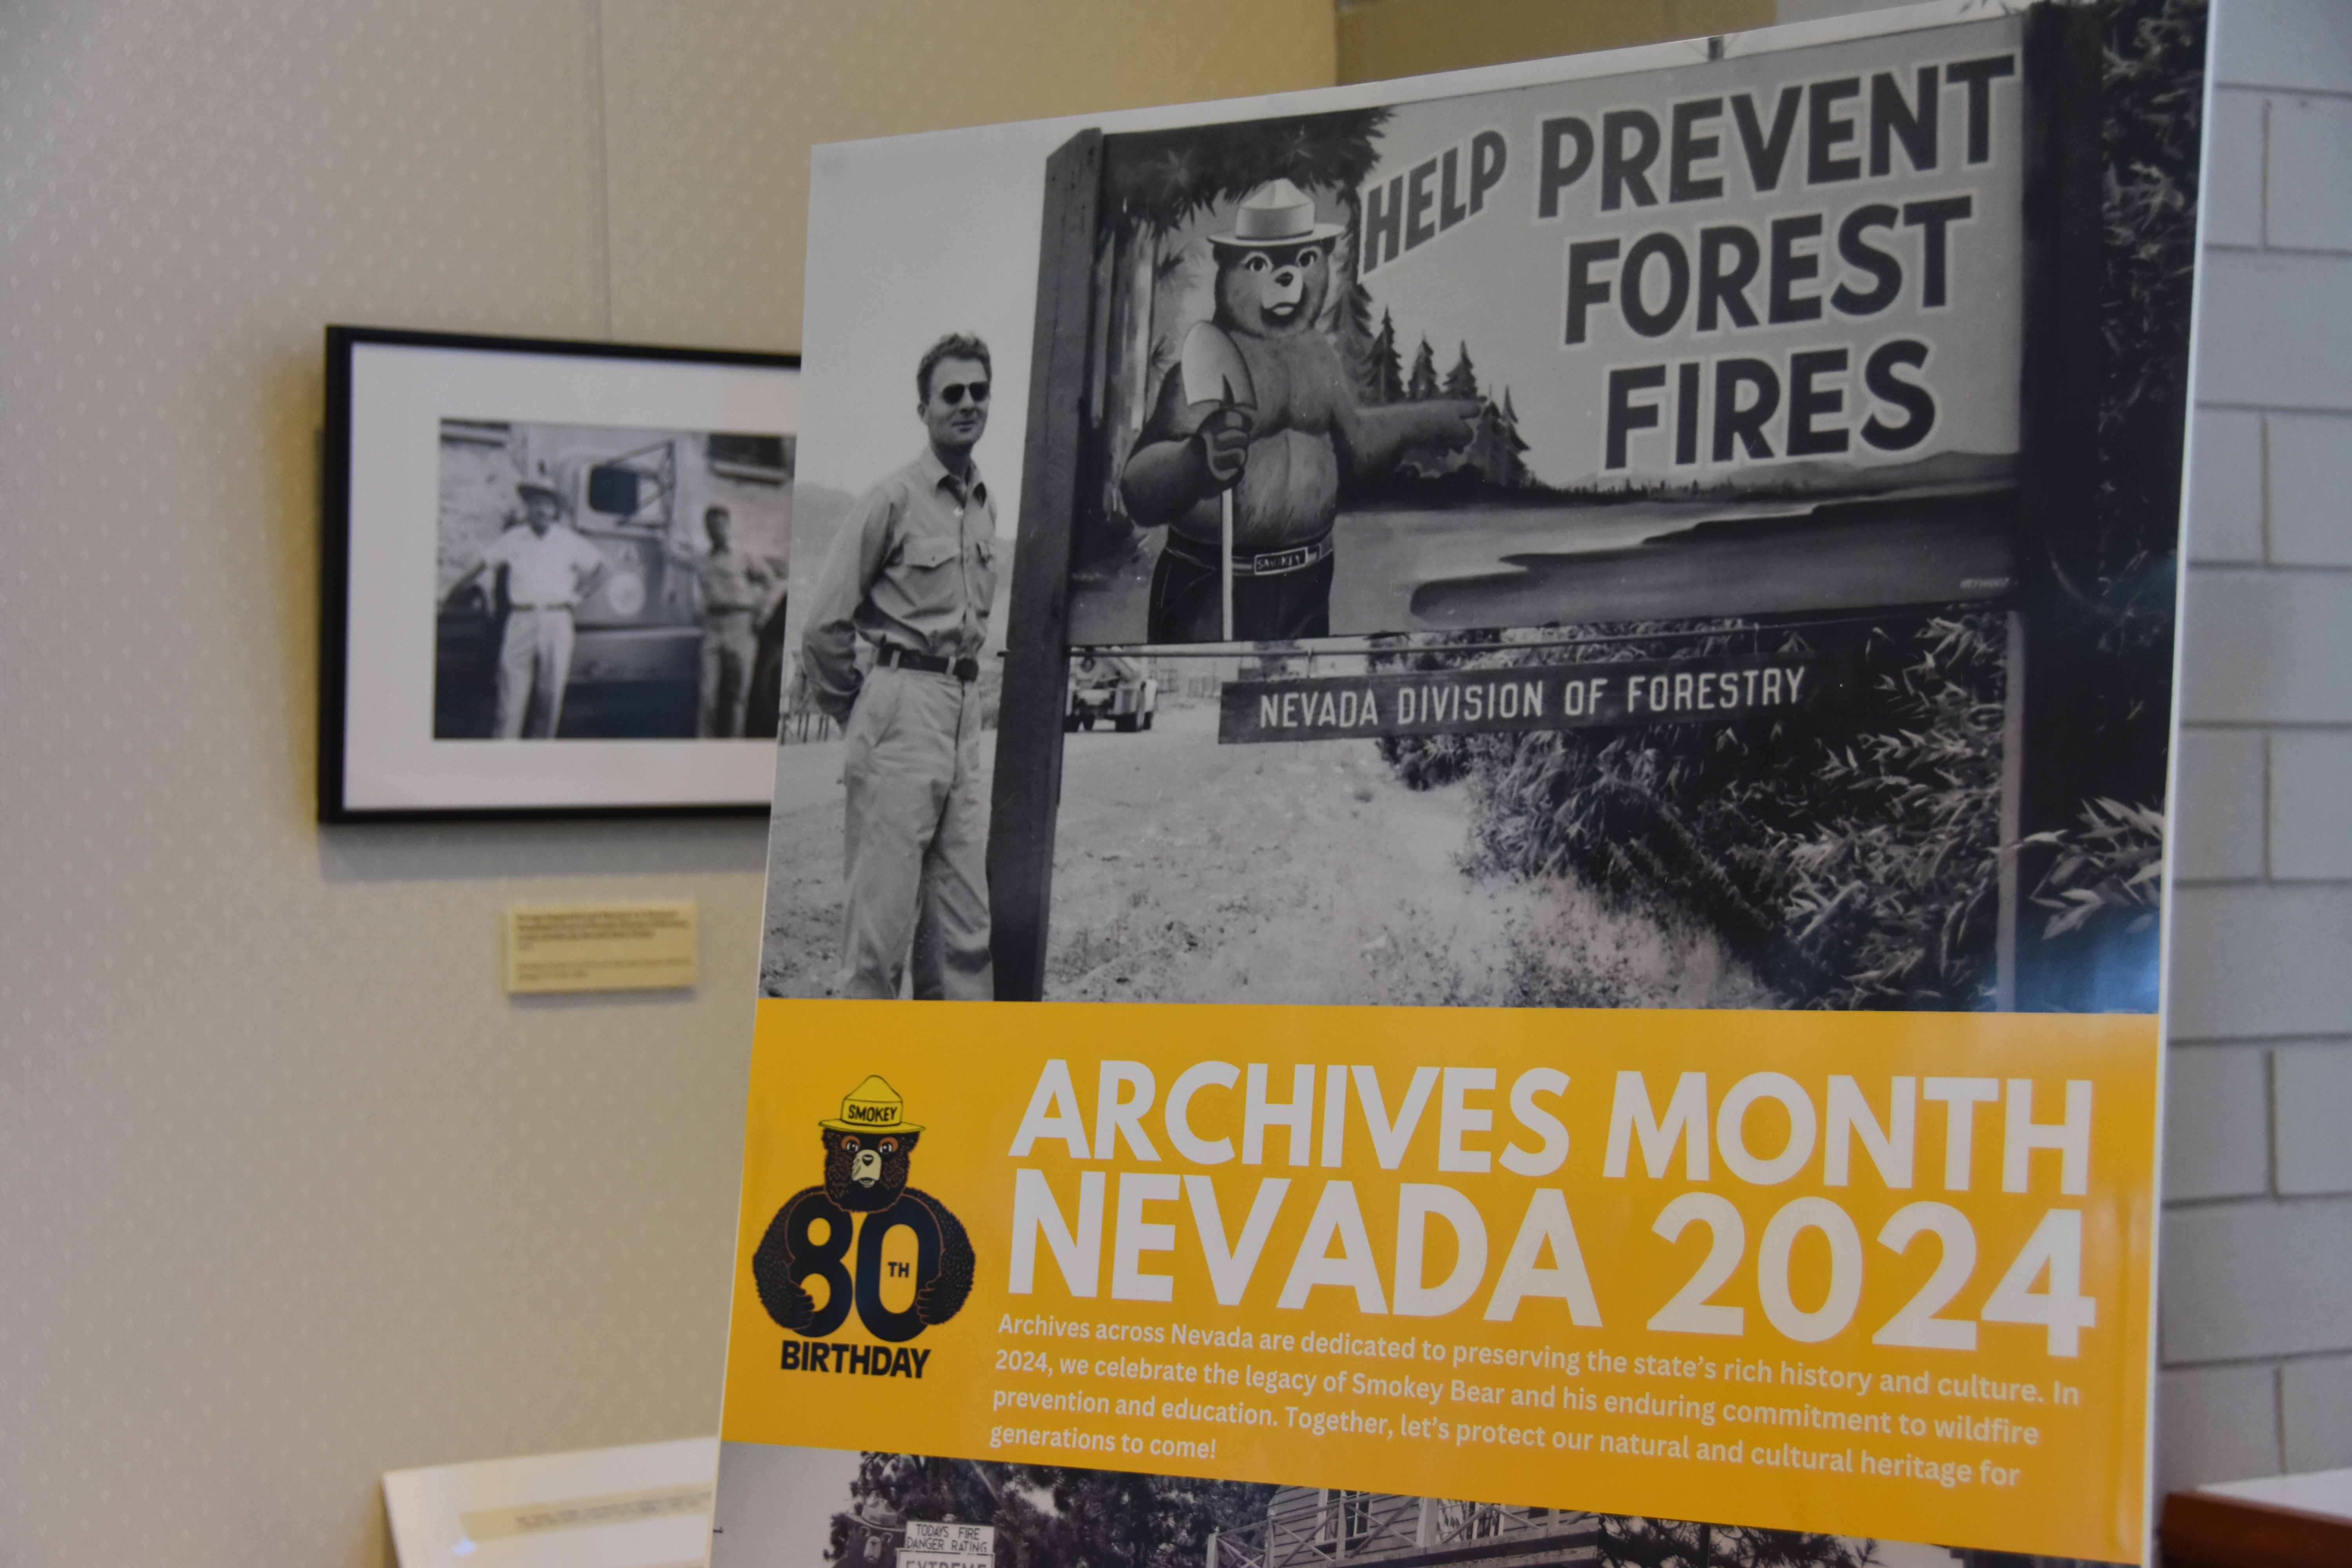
(1187, 871)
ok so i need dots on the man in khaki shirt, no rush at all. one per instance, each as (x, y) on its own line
(913, 574)
(731, 587)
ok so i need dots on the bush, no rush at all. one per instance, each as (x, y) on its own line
(1851, 856)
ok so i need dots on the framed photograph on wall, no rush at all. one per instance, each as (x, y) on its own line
(553, 576)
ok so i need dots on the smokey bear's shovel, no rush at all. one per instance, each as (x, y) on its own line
(1214, 373)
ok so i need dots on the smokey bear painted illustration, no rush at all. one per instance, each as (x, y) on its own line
(866, 1152)
(1287, 445)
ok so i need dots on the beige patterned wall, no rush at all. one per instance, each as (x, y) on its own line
(1382, 39)
(710, 112)
(289, 1194)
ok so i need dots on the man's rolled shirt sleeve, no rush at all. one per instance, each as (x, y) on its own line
(829, 646)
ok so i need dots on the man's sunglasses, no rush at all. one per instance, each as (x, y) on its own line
(953, 392)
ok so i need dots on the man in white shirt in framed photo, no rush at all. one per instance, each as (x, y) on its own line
(550, 571)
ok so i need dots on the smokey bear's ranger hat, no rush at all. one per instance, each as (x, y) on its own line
(875, 1514)
(1277, 214)
(872, 1107)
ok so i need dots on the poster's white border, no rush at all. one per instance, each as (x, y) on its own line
(400, 395)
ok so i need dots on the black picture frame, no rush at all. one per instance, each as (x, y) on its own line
(428, 440)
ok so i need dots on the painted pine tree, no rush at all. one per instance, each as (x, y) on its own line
(1423, 385)
(1511, 469)
(1462, 381)
(1387, 368)
(1497, 450)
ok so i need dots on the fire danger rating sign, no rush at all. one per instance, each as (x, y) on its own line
(1711, 691)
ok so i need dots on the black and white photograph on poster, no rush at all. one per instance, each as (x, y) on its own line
(533, 541)
(1699, 531)
(910, 1510)
(604, 584)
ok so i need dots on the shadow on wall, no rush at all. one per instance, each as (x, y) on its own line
(581, 847)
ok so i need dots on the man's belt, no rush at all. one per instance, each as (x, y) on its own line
(1265, 563)
(894, 658)
(566, 606)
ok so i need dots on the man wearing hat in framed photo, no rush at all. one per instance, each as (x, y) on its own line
(549, 570)
(912, 576)
(1256, 435)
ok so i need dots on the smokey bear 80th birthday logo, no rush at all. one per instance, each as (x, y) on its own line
(865, 1197)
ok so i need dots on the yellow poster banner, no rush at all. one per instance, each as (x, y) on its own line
(1870, 1274)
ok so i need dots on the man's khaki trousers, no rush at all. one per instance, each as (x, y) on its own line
(917, 840)
(534, 666)
(731, 644)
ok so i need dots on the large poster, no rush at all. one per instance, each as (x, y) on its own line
(1556, 686)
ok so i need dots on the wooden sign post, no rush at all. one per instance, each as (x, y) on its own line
(1027, 794)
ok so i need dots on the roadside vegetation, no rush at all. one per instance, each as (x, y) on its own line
(1850, 858)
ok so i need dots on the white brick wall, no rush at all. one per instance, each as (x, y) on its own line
(2307, 468)
(2256, 1306)
(2220, 1142)
(2312, 1402)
